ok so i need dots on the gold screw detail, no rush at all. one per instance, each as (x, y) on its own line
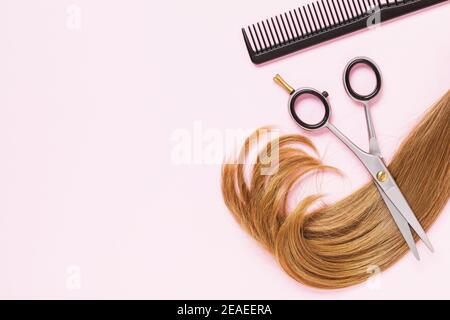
(382, 176)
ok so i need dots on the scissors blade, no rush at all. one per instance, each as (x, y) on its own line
(394, 194)
(401, 222)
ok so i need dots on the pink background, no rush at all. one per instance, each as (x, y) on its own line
(92, 204)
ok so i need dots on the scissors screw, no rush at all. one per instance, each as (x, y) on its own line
(325, 94)
(382, 176)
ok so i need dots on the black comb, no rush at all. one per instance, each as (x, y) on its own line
(320, 21)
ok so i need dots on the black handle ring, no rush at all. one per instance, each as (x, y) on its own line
(297, 94)
(348, 86)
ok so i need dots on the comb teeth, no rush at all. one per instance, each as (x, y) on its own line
(319, 21)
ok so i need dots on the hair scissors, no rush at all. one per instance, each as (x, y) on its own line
(399, 208)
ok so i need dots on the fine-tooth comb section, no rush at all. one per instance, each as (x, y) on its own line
(320, 21)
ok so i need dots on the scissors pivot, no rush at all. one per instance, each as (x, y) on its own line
(382, 176)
